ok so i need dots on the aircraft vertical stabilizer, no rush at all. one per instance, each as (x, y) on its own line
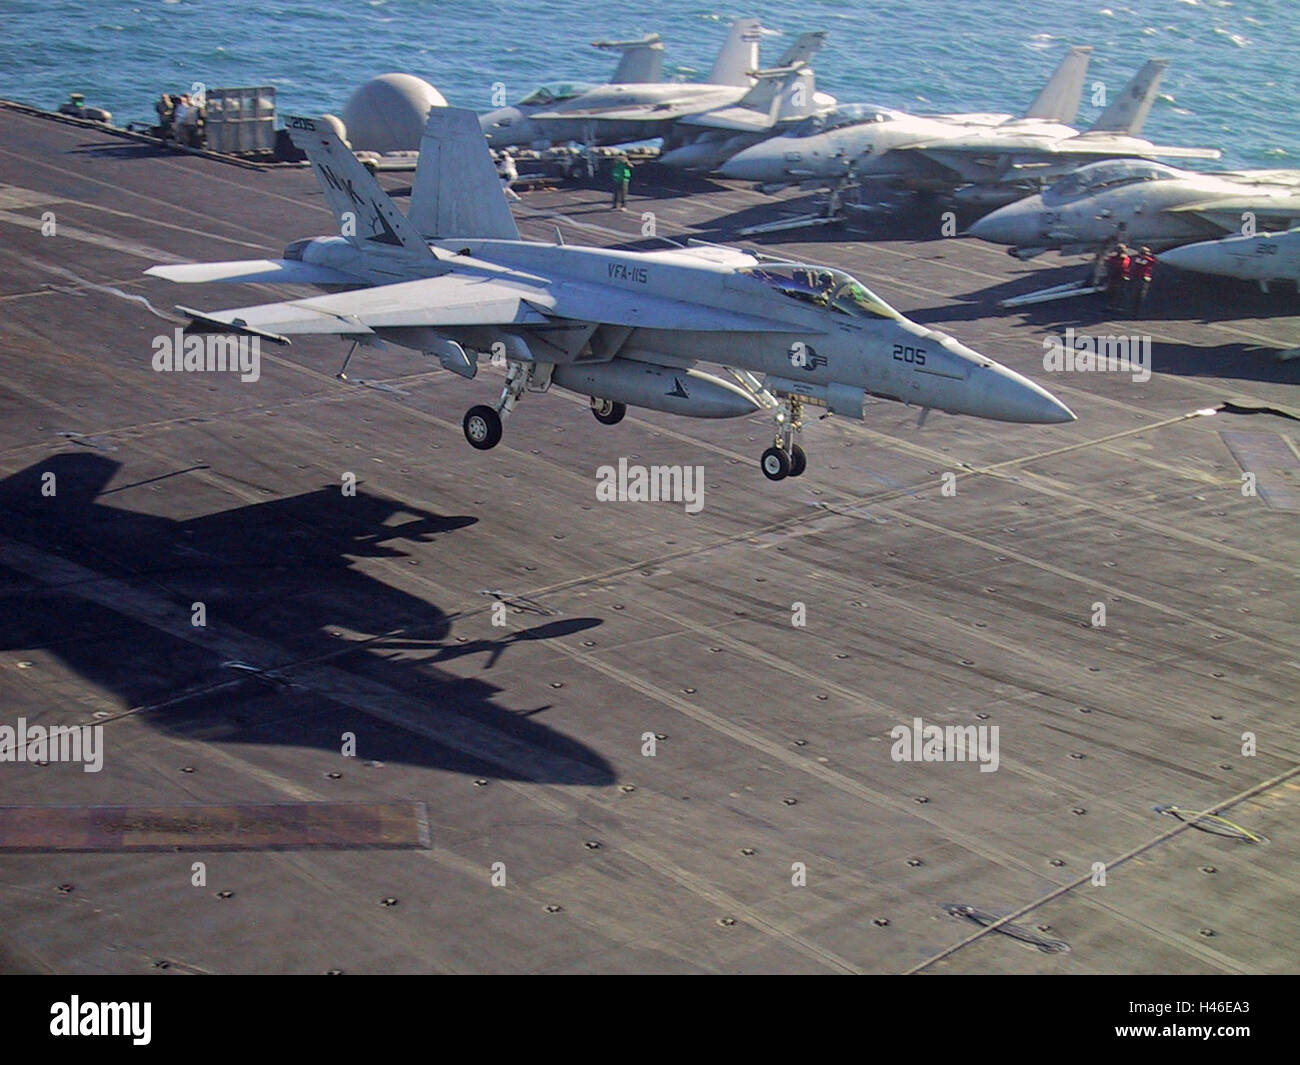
(367, 218)
(641, 63)
(1128, 112)
(1059, 99)
(457, 192)
(803, 49)
(739, 54)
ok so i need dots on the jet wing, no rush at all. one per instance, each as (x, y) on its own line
(454, 300)
(1226, 211)
(739, 119)
(450, 300)
(608, 306)
(1085, 146)
(1102, 144)
(657, 112)
(287, 271)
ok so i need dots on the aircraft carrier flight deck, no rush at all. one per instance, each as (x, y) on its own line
(617, 736)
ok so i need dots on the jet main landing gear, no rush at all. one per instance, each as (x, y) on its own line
(608, 412)
(482, 424)
(785, 458)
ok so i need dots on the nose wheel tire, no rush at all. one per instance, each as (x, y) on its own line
(775, 463)
(798, 460)
(482, 427)
(608, 412)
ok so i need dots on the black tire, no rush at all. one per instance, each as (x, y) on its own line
(798, 460)
(482, 427)
(775, 464)
(607, 412)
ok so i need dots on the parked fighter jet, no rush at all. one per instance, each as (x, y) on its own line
(641, 63)
(616, 114)
(984, 163)
(1263, 257)
(1144, 203)
(780, 98)
(622, 327)
(830, 147)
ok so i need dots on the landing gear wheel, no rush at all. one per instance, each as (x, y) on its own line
(608, 412)
(775, 463)
(482, 427)
(798, 460)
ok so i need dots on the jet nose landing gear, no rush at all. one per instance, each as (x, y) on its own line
(785, 458)
(778, 463)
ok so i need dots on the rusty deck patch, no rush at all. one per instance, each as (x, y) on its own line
(275, 826)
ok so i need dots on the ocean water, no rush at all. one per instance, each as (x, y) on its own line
(1233, 82)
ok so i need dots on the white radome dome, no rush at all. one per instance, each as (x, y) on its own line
(388, 113)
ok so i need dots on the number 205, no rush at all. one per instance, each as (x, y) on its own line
(914, 355)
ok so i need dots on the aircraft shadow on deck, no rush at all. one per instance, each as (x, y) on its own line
(1175, 297)
(890, 216)
(281, 576)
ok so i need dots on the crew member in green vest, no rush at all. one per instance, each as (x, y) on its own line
(622, 173)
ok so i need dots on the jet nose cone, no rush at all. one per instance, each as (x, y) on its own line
(749, 165)
(1007, 396)
(1015, 224)
(1207, 257)
(998, 227)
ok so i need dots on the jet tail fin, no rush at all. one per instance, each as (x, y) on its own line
(1128, 112)
(457, 192)
(803, 49)
(1058, 101)
(783, 93)
(642, 61)
(367, 218)
(739, 54)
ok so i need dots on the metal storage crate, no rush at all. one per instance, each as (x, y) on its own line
(241, 120)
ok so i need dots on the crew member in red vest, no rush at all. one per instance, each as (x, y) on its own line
(1117, 271)
(1140, 269)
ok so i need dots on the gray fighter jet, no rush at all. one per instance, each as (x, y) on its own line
(1262, 258)
(985, 163)
(780, 98)
(641, 63)
(454, 280)
(1143, 203)
(619, 113)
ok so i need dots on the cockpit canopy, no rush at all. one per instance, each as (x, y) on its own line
(1107, 175)
(842, 117)
(554, 93)
(820, 285)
